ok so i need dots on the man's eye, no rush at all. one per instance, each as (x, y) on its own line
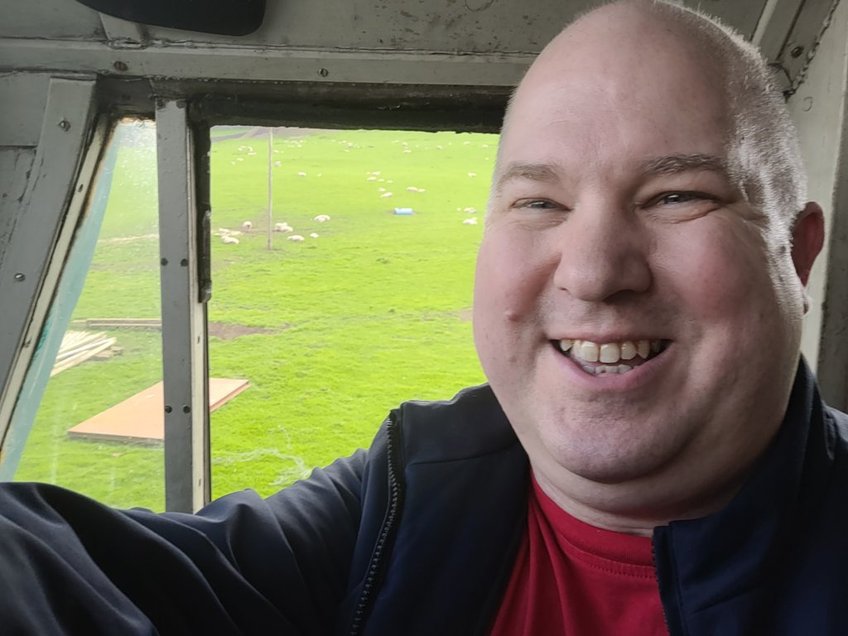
(678, 198)
(537, 204)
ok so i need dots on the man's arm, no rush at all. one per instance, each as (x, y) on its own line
(241, 565)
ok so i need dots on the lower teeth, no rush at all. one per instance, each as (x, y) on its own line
(606, 368)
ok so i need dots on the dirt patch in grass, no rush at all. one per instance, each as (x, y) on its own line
(230, 331)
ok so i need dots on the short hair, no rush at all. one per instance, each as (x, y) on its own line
(765, 153)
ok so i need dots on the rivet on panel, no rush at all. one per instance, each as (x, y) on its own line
(168, 408)
(65, 125)
(120, 66)
(163, 261)
(323, 72)
(797, 51)
(19, 277)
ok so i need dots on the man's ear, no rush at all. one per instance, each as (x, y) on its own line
(807, 239)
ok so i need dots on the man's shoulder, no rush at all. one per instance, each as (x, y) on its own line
(837, 426)
(470, 424)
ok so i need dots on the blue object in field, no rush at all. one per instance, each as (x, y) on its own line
(404, 211)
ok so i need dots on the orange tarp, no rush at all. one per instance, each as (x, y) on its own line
(140, 418)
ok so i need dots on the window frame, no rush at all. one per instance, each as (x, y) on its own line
(184, 112)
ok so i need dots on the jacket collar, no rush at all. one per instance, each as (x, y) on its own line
(703, 563)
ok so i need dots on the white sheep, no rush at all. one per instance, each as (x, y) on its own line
(283, 227)
(385, 195)
(229, 239)
(470, 221)
(313, 235)
(247, 226)
(295, 237)
(322, 218)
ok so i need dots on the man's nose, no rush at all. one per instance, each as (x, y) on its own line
(602, 253)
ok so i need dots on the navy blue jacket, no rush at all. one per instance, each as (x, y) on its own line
(418, 536)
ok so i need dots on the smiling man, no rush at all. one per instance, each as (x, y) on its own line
(651, 455)
(639, 298)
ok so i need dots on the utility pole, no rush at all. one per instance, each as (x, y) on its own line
(270, 185)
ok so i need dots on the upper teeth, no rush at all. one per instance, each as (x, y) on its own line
(609, 352)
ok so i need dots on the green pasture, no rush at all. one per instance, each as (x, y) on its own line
(331, 332)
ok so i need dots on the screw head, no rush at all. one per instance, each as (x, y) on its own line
(120, 66)
(323, 72)
(797, 51)
(65, 125)
(19, 277)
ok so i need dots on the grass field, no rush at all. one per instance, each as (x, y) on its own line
(332, 331)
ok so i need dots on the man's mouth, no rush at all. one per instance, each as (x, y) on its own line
(598, 358)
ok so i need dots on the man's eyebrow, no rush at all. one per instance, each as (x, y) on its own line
(532, 171)
(675, 164)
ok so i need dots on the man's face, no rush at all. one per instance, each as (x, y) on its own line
(630, 316)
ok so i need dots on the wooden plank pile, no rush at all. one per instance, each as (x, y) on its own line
(123, 323)
(79, 346)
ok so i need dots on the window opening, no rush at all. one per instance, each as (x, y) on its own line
(88, 416)
(350, 294)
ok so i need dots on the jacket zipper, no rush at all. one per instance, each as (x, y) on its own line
(387, 531)
(671, 612)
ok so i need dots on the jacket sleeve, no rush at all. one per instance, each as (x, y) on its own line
(242, 565)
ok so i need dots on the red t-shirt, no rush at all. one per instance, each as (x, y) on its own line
(572, 578)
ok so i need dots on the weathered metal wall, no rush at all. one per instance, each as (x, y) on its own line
(448, 26)
(819, 109)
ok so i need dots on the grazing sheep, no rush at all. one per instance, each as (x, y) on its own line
(472, 174)
(313, 235)
(470, 210)
(295, 237)
(247, 226)
(283, 227)
(229, 239)
(322, 218)
(470, 221)
(301, 174)
(385, 195)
